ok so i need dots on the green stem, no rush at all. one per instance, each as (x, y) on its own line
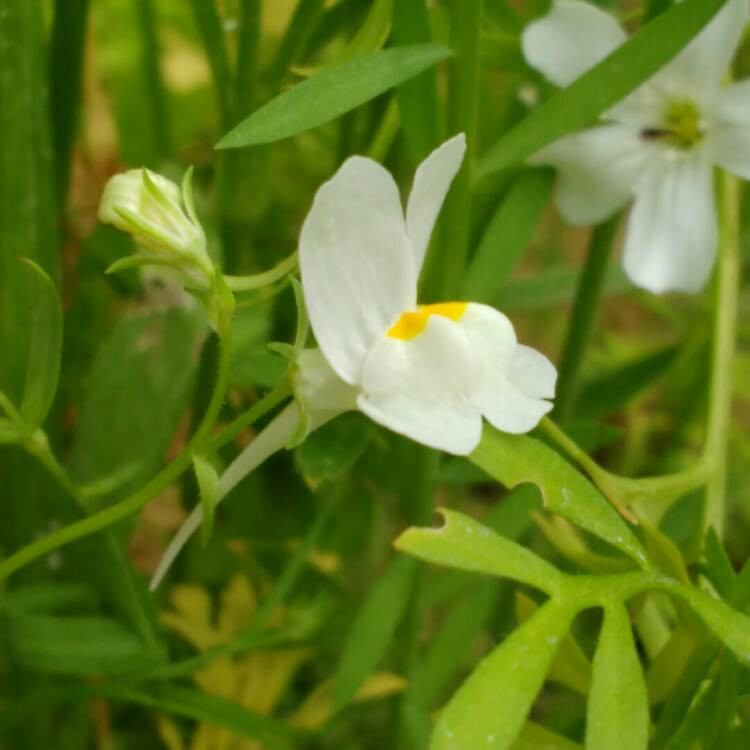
(465, 18)
(725, 324)
(260, 280)
(161, 481)
(588, 295)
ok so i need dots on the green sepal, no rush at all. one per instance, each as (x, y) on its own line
(208, 487)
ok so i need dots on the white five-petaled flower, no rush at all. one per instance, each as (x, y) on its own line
(658, 146)
(428, 372)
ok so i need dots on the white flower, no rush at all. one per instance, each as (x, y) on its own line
(657, 147)
(162, 222)
(428, 372)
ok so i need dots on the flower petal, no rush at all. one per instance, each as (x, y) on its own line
(729, 135)
(431, 182)
(515, 378)
(598, 170)
(357, 268)
(697, 71)
(672, 233)
(572, 38)
(422, 387)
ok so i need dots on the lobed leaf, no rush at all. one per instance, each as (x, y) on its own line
(333, 92)
(490, 708)
(514, 459)
(464, 543)
(618, 715)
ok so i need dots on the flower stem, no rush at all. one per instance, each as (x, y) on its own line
(582, 319)
(162, 480)
(259, 280)
(720, 389)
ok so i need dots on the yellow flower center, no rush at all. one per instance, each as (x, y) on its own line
(683, 127)
(411, 324)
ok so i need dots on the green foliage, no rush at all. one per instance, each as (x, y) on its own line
(574, 592)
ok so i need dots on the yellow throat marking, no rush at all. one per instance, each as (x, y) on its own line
(411, 324)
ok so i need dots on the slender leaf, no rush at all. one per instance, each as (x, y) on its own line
(727, 624)
(208, 487)
(577, 106)
(514, 459)
(618, 708)
(374, 627)
(491, 707)
(76, 645)
(332, 92)
(508, 234)
(462, 542)
(536, 737)
(45, 348)
(417, 98)
(211, 709)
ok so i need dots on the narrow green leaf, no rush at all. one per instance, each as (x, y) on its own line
(514, 459)
(727, 624)
(374, 628)
(491, 707)
(536, 737)
(211, 709)
(45, 348)
(76, 645)
(8, 432)
(508, 234)
(332, 92)
(207, 20)
(719, 567)
(577, 106)
(617, 714)
(208, 488)
(417, 99)
(461, 542)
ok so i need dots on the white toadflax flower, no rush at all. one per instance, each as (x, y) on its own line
(657, 147)
(429, 372)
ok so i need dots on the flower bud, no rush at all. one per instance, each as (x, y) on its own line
(161, 220)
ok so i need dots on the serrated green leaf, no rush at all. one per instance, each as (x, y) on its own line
(45, 348)
(76, 645)
(373, 630)
(490, 708)
(617, 715)
(461, 542)
(332, 92)
(507, 235)
(515, 459)
(208, 488)
(577, 106)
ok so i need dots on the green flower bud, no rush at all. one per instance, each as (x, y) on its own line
(161, 220)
